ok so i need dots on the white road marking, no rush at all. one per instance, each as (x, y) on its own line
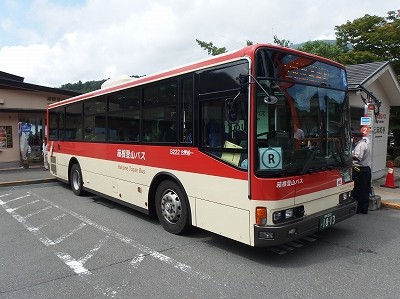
(85, 274)
(42, 238)
(66, 235)
(24, 205)
(148, 251)
(14, 199)
(77, 265)
(47, 223)
(92, 251)
(136, 261)
(37, 212)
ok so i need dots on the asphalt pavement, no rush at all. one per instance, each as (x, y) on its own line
(14, 176)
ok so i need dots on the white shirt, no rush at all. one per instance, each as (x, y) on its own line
(298, 134)
(362, 152)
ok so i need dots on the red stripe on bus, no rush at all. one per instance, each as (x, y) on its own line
(187, 159)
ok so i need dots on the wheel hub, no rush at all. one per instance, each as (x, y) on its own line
(171, 207)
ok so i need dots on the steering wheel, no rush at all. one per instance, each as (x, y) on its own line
(270, 132)
(261, 134)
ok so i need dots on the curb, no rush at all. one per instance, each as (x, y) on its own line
(20, 168)
(390, 205)
(27, 182)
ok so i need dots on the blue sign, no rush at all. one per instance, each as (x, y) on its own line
(366, 121)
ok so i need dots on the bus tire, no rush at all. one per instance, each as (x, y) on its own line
(172, 207)
(75, 179)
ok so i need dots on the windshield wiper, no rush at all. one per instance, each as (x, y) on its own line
(342, 160)
(307, 164)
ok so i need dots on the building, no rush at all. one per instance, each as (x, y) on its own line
(374, 83)
(22, 102)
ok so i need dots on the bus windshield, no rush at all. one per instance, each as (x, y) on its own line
(308, 129)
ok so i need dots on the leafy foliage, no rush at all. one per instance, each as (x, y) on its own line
(372, 38)
(88, 86)
(281, 42)
(83, 87)
(211, 49)
(322, 48)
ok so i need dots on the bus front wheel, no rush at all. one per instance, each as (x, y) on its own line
(76, 181)
(172, 208)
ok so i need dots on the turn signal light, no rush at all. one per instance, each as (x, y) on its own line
(261, 216)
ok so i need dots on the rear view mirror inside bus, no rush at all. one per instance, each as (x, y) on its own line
(231, 111)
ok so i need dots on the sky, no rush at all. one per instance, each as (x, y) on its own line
(52, 43)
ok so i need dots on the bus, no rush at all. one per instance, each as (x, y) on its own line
(212, 145)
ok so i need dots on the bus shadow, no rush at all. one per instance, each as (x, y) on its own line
(321, 247)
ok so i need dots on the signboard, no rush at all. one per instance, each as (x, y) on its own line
(381, 126)
(365, 130)
(270, 158)
(6, 140)
(365, 121)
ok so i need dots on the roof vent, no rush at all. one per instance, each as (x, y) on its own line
(116, 81)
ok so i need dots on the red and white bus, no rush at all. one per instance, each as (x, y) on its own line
(213, 145)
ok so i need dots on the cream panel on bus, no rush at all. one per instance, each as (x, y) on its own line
(62, 166)
(322, 200)
(122, 181)
(319, 201)
(223, 220)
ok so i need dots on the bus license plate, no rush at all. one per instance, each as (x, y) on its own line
(326, 220)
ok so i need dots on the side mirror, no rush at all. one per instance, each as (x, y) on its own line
(270, 100)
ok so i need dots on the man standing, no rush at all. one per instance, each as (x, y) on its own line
(298, 133)
(362, 161)
(44, 154)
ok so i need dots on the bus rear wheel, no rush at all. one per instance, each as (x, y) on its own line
(75, 178)
(172, 208)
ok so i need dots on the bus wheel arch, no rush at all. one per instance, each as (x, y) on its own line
(75, 178)
(169, 202)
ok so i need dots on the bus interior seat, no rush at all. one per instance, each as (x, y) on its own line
(232, 158)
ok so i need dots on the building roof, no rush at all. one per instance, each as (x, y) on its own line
(4, 75)
(10, 81)
(381, 73)
(358, 74)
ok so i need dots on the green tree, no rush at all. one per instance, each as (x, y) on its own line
(281, 42)
(88, 86)
(371, 38)
(322, 48)
(211, 49)
(83, 87)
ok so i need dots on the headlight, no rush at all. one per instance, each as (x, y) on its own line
(288, 213)
(277, 216)
(345, 197)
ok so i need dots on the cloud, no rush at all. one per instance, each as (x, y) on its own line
(67, 41)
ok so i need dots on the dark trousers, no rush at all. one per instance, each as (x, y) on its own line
(362, 187)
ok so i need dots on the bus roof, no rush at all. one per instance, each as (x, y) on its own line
(194, 66)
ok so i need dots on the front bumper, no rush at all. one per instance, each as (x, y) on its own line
(303, 227)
